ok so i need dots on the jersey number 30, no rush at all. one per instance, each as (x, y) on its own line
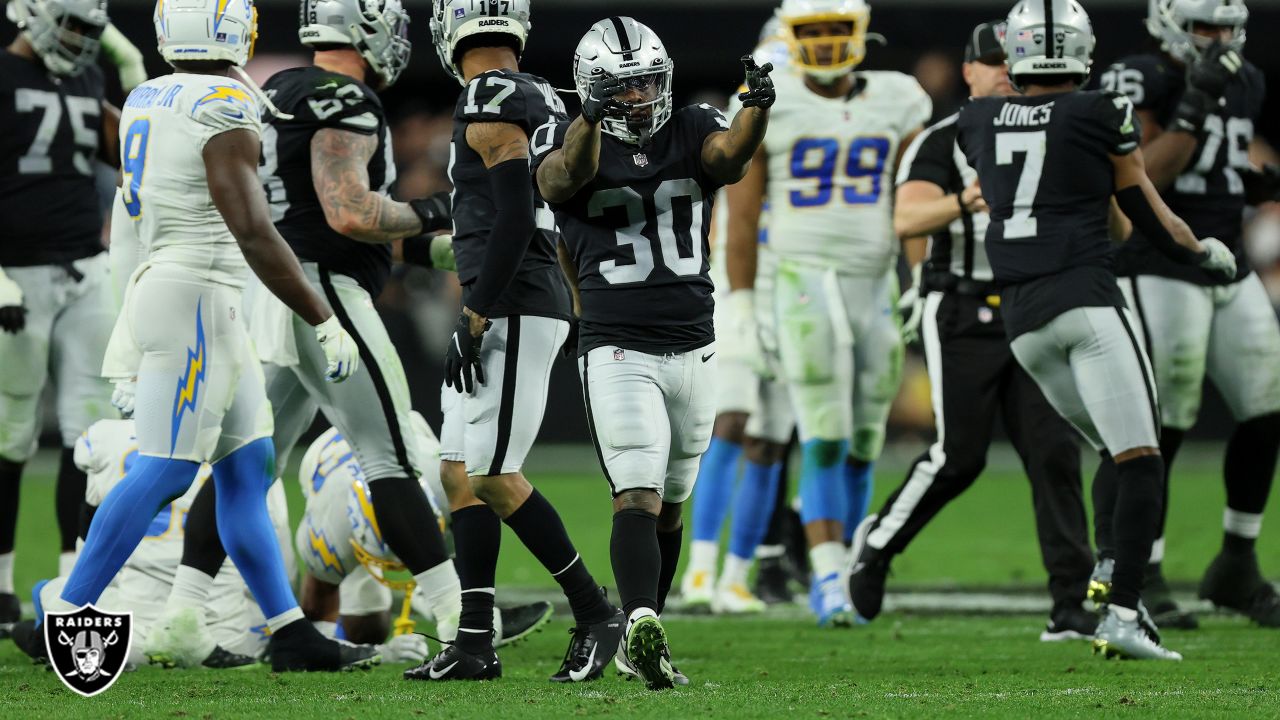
(641, 226)
(816, 159)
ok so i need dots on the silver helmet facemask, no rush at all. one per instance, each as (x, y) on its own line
(633, 53)
(1173, 23)
(377, 29)
(63, 33)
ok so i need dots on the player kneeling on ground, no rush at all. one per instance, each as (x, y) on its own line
(632, 184)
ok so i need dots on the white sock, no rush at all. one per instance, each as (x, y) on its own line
(443, 593)
(66, 561)
(770, 551)
(190, 588)
(1240, 524)
(1157, 551)
(1124, 613)
(702, 556)
(735, 571)
(291, 615)
(6, 573)
(639, 613)
(827, 558)
(326, 628)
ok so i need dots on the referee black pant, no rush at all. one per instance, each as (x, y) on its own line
(975, 378)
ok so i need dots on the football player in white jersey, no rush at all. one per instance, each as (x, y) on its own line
(189, 156)
(827, 170)
(346, 559)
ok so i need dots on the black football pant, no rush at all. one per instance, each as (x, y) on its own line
(975, 378)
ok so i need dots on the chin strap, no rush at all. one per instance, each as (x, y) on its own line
(262, 97)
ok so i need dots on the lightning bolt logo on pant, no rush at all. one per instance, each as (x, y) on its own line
(188, 392)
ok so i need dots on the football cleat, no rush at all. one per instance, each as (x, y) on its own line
(181, 639)
(29, 638)
(629, 673)
(1069, 621)
(10, 613)
(1235, 582)
(828, 602)
(866, 583)
(1128, 639)
(223, 659)
(299, 647)
(453, 663)
(1157, 596)
(1100, 582)
(697, 588)
(647, 652)
(771, 584)
(514, 624)
(735, 599)
(590, 648)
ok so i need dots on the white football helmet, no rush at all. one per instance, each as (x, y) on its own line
(206, 30)
(633, 53)
(1048, 37)
(63, 33)
(454, 20)
(1171, 22)
(829, 57)
(773, 46)
(377, 29)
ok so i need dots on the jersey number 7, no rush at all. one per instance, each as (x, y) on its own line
(1022, 223)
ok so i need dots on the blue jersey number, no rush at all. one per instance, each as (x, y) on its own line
(816, 159)
(133, 163)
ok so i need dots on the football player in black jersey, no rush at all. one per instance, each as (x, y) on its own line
(632, 183)
(1199, 102)
(56, 311)
(1049, 163)
(515, 318)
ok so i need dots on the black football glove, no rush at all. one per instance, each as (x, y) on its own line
(462, 359)
(600, 102)
(760, 92)
(435, 211)
(1215, 70)
(1261, 186)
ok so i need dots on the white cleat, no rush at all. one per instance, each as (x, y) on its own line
(697, 588)
(735, 599)
(1128, 639)
(180, 638)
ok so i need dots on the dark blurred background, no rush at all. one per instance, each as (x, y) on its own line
(706, 38)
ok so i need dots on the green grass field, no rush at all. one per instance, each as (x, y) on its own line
(903, 665)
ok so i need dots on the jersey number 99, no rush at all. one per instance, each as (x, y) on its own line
(816, 159)
(133, 163)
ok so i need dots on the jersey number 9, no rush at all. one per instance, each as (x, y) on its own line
(133, 163)
(816, 159)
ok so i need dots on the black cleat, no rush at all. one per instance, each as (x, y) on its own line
(1158, 598)
(223, 659)
(521, 621)
(773, 582)
(1069, 621)
(866, 583)
(590, 649)
(1235, 582)
(30, 639)
(299, 647)
(10, 613)
(453, 663)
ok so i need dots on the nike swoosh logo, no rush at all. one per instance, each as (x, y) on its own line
(436, 675)
(577, 676)
(707, 356)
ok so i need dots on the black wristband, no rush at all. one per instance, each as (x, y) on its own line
(416, 250)
(509, 237)
(1134, 205)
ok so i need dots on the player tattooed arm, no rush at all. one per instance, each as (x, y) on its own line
(726, 155)
(231, 164)
(340, 172)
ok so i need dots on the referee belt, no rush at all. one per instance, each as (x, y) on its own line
(946, 282)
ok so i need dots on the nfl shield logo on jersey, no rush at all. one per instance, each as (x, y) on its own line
(88, 647)
(641, 159)
(618, 354)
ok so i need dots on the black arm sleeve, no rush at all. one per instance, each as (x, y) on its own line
(513, 227)
(1135, 205)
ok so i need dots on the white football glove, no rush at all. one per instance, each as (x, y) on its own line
(912, 303)
(741, 340)
(1218, 258)
(340, 350)
(122, 397)
(125, 56)
(411, 648)
(12, 314)
(442, 253)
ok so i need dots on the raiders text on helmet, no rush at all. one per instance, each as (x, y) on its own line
(63, 33)
(1048, 37)
(377, 29)
(633, 53)
(1171, 22)
(454, 20)
(828, 57)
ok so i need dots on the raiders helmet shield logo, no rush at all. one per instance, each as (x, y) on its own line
(88, 647)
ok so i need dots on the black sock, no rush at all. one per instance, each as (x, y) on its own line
(409, 525)
(1170, 443)
(1248, 470)
(539, 527)
(10, 483)
(637, 561)
(669, 545)
(477, 534)
(201, 546)
(1137, 513)
(68, 496)
(1105, 482)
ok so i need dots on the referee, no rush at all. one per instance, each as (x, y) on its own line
(973, 374)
